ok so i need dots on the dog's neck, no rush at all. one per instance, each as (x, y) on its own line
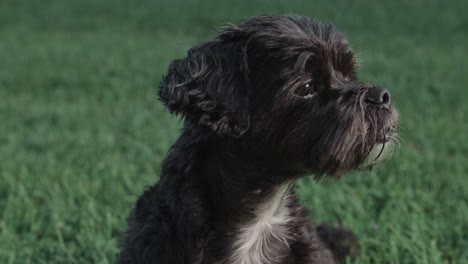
(240, 180)
(245, 197)
(250, 203)
(228, 172)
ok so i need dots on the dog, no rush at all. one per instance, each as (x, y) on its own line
(264, 103)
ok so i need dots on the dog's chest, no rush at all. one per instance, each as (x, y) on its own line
(265, 238)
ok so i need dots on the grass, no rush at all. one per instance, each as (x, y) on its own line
(81, 131)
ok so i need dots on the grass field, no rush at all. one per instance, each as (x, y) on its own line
(82, 134)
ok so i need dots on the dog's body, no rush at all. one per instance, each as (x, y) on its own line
(265, 103)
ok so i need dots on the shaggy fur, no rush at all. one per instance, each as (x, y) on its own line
(265, 102)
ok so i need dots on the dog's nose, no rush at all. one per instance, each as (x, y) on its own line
(379, 96)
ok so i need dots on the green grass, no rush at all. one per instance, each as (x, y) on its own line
(81, 131)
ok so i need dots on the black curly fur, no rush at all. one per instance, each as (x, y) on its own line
(251, 126)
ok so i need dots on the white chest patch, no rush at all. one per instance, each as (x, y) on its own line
(264, 239)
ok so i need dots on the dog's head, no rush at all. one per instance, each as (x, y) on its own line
(286, 84)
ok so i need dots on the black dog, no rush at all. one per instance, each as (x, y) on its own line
(265, 102)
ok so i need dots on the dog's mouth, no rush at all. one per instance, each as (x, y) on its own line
(387, 137)
(382, 136)
(381, 149)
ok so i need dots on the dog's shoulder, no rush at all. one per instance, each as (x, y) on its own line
(161, 223)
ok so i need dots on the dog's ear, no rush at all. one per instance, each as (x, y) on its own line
(210, 86)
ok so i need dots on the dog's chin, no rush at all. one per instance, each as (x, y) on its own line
(381, 150)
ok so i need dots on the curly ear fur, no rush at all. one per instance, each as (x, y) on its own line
(210, 86)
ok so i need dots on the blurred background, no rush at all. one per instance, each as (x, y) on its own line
(82, 133)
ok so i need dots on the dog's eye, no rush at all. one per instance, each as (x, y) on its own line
(306, 91)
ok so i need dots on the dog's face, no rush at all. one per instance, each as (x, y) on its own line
(288, 85)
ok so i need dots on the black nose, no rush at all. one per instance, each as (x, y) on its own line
(379, 96)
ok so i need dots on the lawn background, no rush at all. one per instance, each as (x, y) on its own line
(82, 134)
